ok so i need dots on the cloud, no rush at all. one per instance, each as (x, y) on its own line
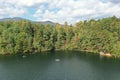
(12, 8)
(24, 3)
(59, 10)
(8, 10)
(74, 10)
(114, 1)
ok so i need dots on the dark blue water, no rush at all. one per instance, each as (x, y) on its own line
(70, 66)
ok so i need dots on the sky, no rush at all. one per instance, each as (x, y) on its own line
(60, 11)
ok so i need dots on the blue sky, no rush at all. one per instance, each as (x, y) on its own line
(59, 10)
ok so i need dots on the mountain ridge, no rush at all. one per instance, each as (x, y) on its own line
(19, 19)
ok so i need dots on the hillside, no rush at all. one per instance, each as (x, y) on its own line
(19, 19)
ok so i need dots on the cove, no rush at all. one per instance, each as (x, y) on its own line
(59, 65)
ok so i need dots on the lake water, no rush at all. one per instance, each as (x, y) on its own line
(68, 66)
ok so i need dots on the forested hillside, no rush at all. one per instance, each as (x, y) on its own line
(24, 36)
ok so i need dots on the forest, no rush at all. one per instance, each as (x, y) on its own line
(24, 36)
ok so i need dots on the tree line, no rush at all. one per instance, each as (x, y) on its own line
(24, 36)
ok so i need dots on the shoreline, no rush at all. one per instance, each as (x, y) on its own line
(107, 55)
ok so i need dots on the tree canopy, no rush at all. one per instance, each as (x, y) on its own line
(93, 36)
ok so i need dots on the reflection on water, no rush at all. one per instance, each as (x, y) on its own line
(71, 66)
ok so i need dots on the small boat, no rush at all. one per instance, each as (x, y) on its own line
(23, 56)
(57, 59)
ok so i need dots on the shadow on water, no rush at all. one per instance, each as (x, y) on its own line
(15, 67)
(73, 65)
(101, 68)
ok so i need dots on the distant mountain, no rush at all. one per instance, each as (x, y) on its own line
(47, 22)
(12, 19)
(19, 19)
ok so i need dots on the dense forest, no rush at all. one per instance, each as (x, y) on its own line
(24, 36)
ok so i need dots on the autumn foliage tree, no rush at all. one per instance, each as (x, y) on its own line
(28, 37)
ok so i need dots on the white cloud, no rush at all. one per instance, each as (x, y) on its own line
(13, 8)
(24, 3)
(114, 1)
(8, 10)
(60, 10)
(72, 11)
(11, 11)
